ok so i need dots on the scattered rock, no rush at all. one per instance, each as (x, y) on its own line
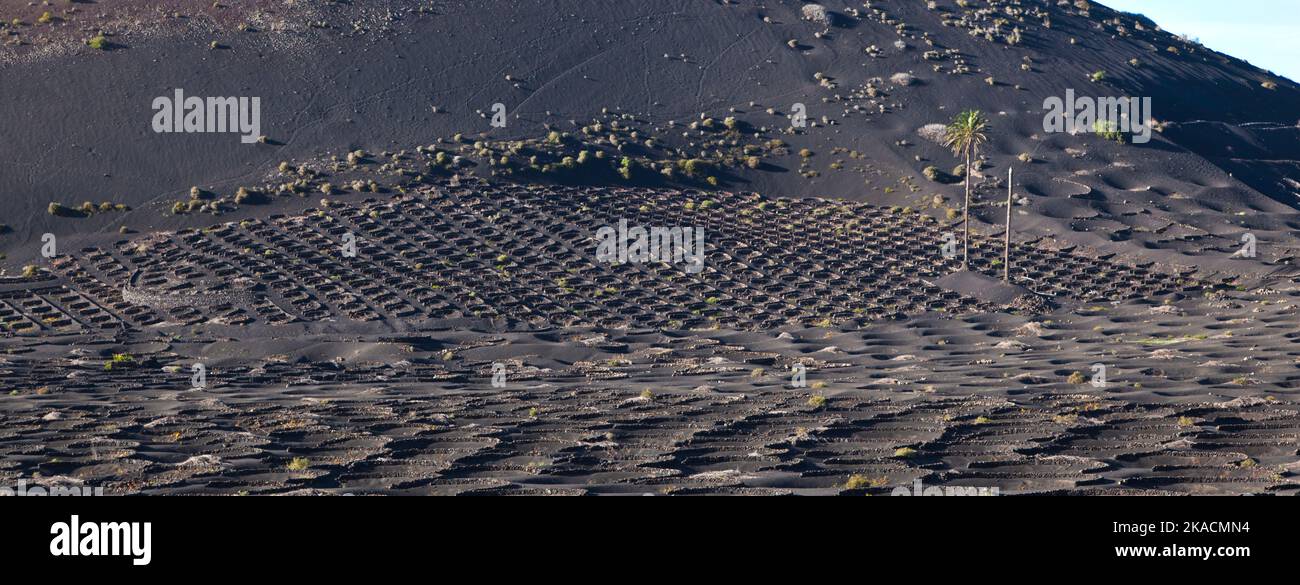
(817, 13)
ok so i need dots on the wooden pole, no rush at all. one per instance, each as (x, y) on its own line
(965, 220)
(1006, 249)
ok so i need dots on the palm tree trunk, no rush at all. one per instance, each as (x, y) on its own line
(965, 260)
(1006, 250)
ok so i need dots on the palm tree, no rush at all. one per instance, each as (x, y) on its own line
(964, 136)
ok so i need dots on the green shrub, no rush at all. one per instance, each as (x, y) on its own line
(627, 168)
(1109, 130)
(60, 210)
(244, 196)
(858, 481)
(120, 360)
(694, 167)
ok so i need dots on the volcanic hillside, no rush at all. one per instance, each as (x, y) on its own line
(655, 82)
(385, 293)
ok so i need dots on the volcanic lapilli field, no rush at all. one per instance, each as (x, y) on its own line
(397, 289)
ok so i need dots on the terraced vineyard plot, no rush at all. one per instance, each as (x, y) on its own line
(646, 394)
(385, 274)
(598, 438)
(982, 400)
(525, 256)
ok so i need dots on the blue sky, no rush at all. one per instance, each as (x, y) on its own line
(1264, 32)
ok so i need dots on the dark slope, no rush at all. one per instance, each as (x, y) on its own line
(344, 76)
(374, 373)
